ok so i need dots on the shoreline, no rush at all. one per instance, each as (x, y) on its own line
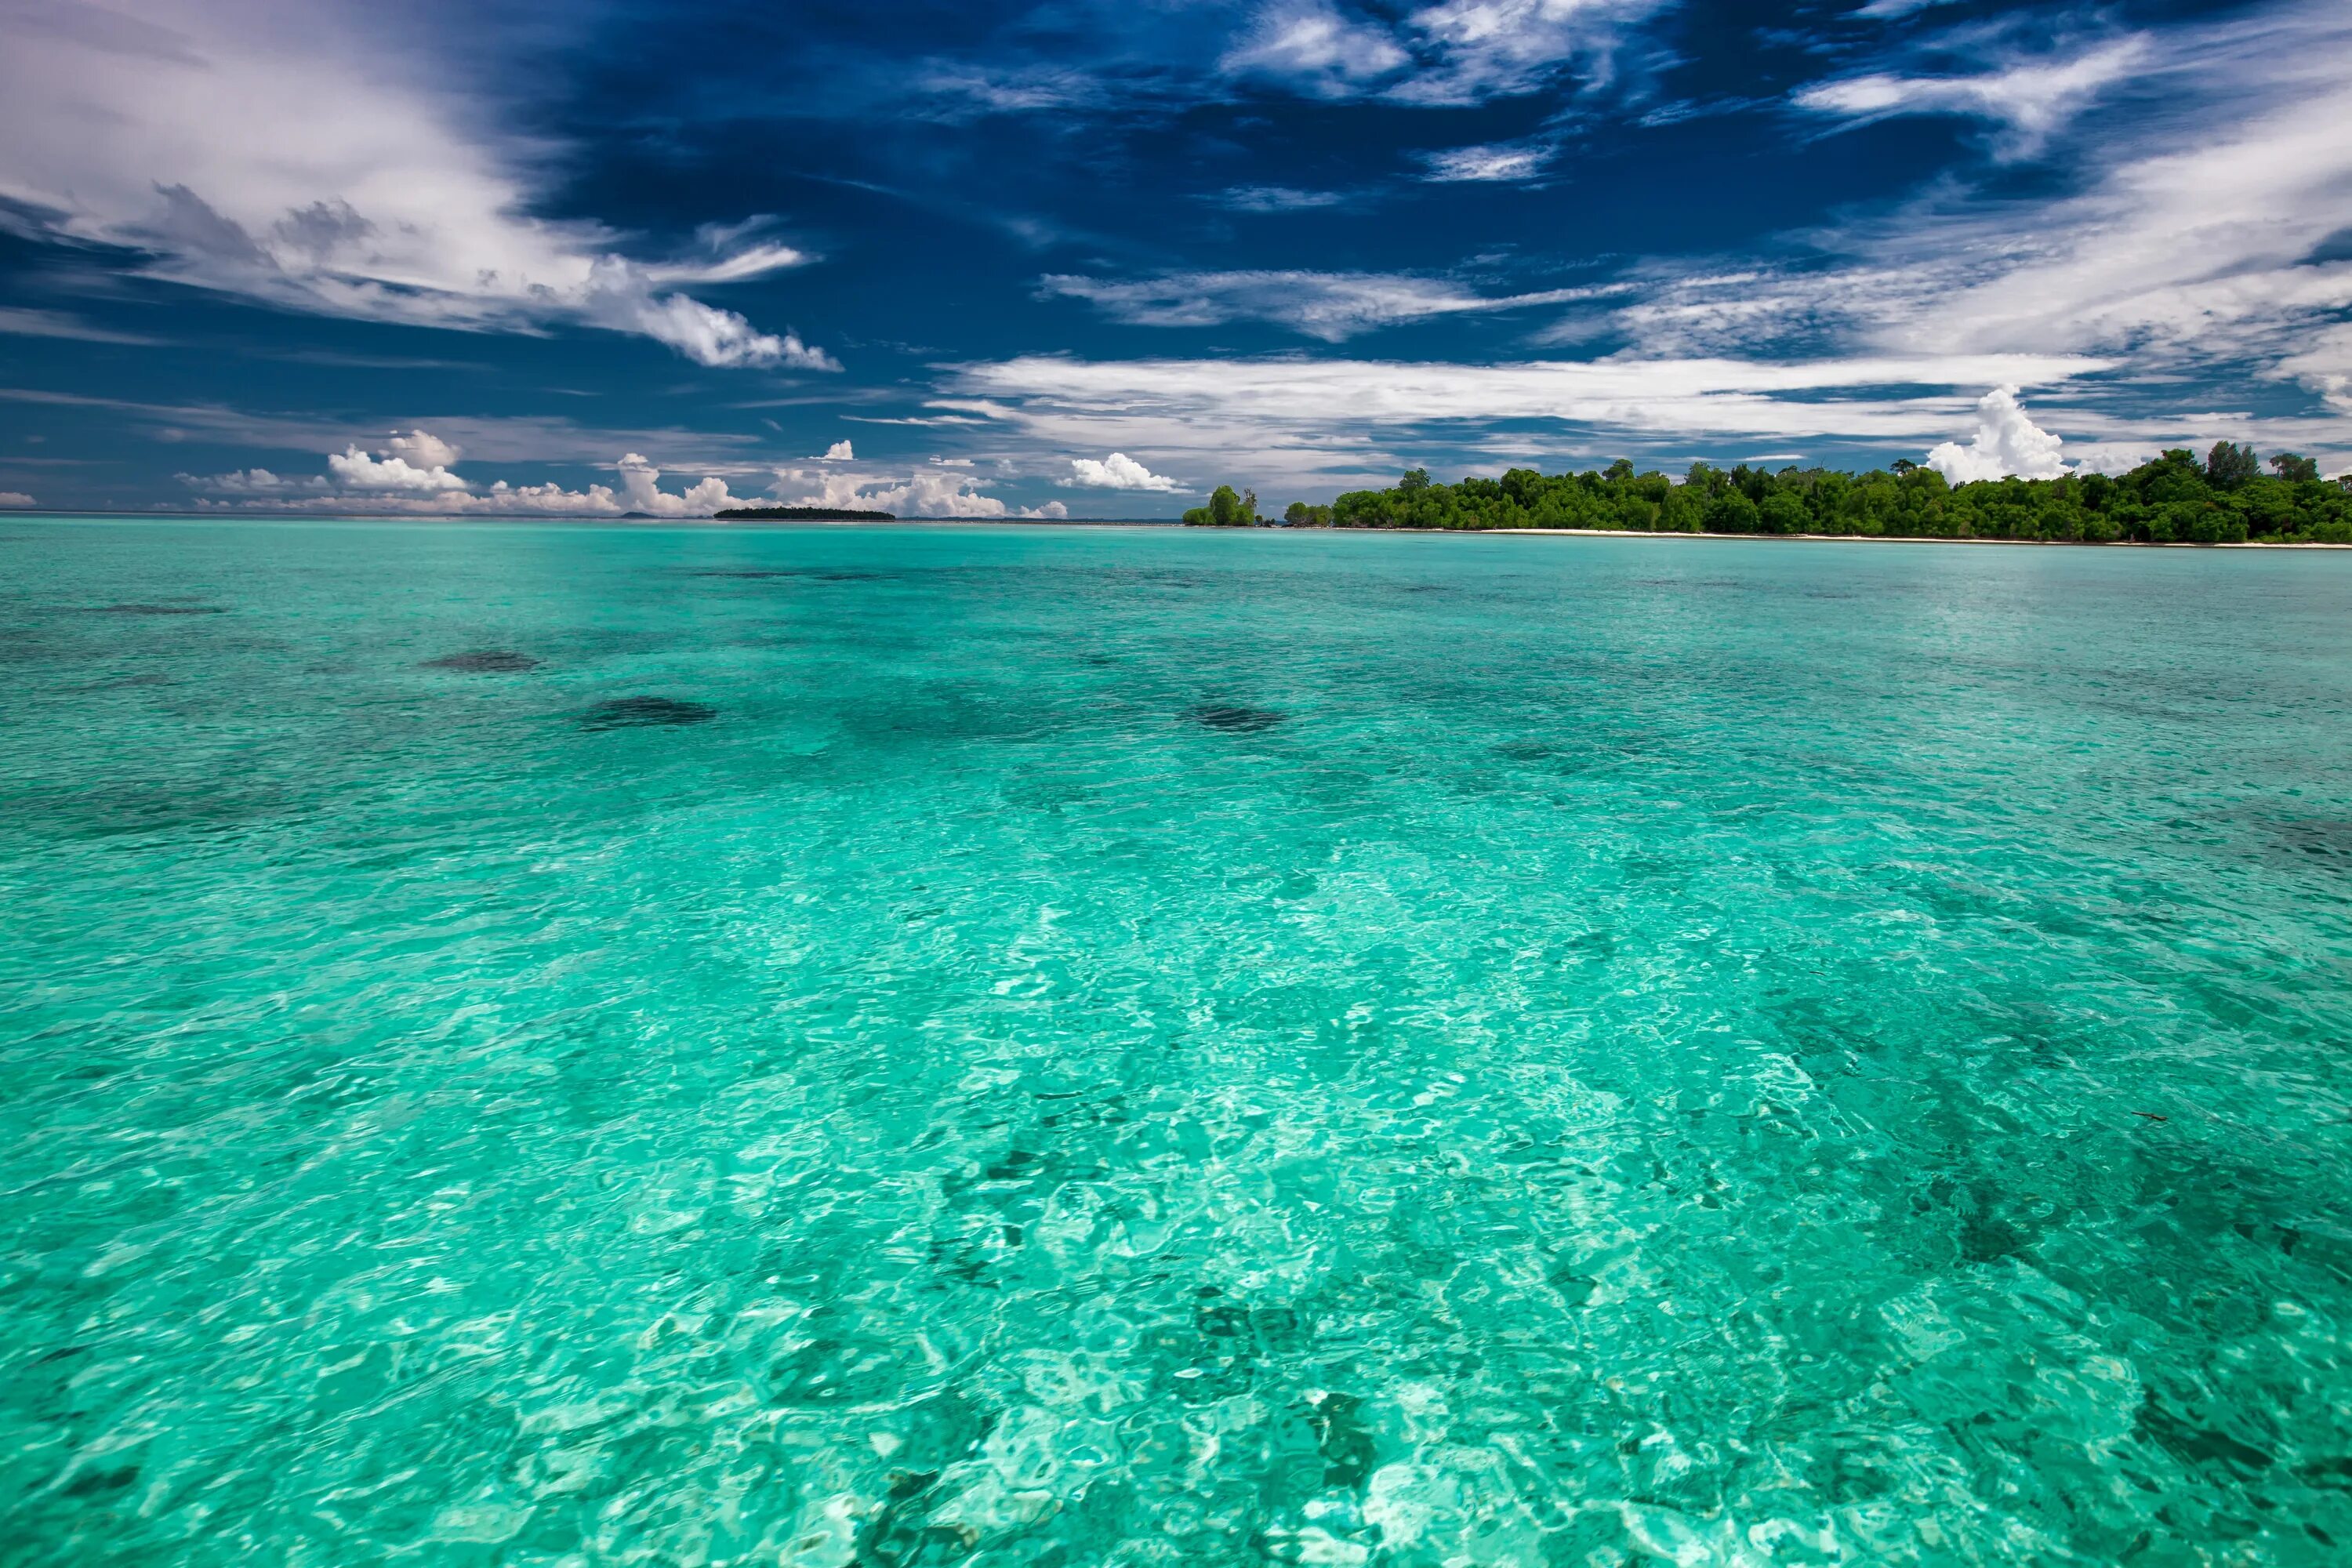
(1870, 539)
(743, 524)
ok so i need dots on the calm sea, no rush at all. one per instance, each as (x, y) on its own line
(566, 1046)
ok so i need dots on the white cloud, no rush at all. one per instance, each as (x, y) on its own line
(639, 478)
(2033, 99)
(1199, 412)
(934, 493)
(15, 499)
(422, 449)
(1311, 42)
(1331, 306)
(1465, 163)
(1053, 510)
(267, 150)
(2112, 457)
(620, 296)
(755, 261)
(840, 452)
(1456, 52)
(1117, 472)
(1484, 49)
(2201, 250)
(2325, 367)
(248, 481)
(411, 474)
(354, 469)
(2006, 443)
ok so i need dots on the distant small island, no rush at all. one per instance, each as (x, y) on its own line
(802, 514)
(2174, 499)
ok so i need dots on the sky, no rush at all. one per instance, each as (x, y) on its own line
(1093, 257)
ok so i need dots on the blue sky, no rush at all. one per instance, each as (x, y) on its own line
(991, 257)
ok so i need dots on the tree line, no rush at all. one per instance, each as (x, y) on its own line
(2175, 498)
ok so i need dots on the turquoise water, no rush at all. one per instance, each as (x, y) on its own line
(1134, 1048)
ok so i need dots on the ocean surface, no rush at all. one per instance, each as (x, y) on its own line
(847, 1047)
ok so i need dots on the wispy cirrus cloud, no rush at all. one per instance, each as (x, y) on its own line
(2028, 99)
(1452, 53)
(1278, 199)
(260, 151)
(1485, 163)
(1330, 306)
(1315, 46)
(32, 323)
(2201, 237)
(1200, 414)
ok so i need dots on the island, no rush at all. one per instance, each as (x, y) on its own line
(2174, 499)
(802, 514)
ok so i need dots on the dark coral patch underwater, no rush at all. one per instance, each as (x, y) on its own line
(1234, 718)
(484, 661)
(646, 713)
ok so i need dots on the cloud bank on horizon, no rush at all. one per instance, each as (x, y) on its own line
(1087, 254)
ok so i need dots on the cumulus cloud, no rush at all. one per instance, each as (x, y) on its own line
(249, 481)
(840, 452)
(936, 492)
(15, 499)
(2006, 444)
(1332, 306)
(1052, 511)
(638, 482)
(356, 470)
(261, 149)
(1117, 472)
(2031, 99)
(411, 473)
(1489, 164)
(426, 451)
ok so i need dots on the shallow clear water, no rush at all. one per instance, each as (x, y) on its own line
(1137, 1047)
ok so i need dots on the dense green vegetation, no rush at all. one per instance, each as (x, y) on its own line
(2226, 498)
(1225, 509)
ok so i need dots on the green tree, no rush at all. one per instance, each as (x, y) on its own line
(2296, 468)
(2228, 466)
(1783, 511)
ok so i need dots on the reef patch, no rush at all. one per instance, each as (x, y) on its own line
(1234, 718)
(646, 713)
(484, 661)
